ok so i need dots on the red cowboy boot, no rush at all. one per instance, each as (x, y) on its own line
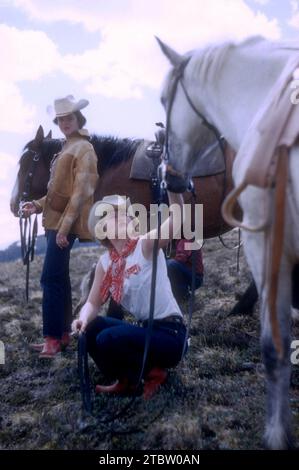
(120, 387)
(152, 381)
(37, 346)
(51, 347)
(65, 341)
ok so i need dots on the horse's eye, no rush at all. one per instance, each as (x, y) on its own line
(163, 101)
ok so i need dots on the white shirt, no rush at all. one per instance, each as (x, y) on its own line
(137, 287)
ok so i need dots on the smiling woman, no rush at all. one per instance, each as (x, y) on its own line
(65, 210)
(124, 274)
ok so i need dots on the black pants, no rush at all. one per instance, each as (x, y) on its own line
(117, 347)
(56, 284)
(295, 286)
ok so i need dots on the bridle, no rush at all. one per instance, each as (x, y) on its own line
(28, 231)
(178, 73)
(179, 78)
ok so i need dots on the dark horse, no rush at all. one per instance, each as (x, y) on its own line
(115, 158)
(114, 164)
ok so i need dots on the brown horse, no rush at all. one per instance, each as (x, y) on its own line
(115, 158)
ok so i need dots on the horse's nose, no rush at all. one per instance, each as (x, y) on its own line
(14, 208)
(177, 183)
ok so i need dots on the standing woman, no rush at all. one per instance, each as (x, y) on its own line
(65, 209)
(124, 274)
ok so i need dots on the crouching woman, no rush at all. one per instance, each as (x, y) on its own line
(124, 273)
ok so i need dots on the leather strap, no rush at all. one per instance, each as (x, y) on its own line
(276, 240)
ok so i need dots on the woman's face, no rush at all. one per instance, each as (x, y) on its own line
(116, 225)
(68, 124)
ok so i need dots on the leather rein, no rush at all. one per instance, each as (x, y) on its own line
(179, 79)
(28, 230)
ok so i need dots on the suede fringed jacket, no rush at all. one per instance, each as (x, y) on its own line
(73, 179)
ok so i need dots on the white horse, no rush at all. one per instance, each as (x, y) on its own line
(226, 86)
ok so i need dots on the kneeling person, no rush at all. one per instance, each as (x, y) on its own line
(124, 274)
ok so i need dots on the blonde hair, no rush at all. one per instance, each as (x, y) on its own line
(94, 221)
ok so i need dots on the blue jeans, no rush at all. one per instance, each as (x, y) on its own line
(180, 277)
(55, 281)
(117, 346)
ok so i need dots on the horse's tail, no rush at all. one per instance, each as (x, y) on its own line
(276, 235)
(85, 287)
(229, 205)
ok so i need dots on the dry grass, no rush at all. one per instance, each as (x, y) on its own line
(213, 400)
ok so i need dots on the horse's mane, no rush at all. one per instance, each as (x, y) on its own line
(112, 151)
(51, 146)
(207, 62)
(48, 148)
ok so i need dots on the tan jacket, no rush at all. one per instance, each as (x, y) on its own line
(73, 179)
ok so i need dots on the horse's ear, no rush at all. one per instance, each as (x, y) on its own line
(174, 58)
(39, 135)
(49, 136)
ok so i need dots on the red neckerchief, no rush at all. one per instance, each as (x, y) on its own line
(113, 281)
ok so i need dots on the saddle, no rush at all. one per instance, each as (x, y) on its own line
(275, 126)
(266, 145)
(208, 162)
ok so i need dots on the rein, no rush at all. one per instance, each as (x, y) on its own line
(28, 231)
(179, 76)
(85, 383)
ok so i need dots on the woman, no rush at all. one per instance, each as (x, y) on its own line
(65, 210)
(124, 274)
(179, 269)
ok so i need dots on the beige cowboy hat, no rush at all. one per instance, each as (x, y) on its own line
(65, 106)
(102, 209)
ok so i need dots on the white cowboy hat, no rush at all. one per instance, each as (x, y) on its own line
(67, 105)
(102, 209)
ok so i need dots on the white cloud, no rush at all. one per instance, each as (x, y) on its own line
(294, 20)
(27, 55)
(261, 2)
(16, 115)
(8, 223)
(8, 166)
(74, 12)
(126, 61)
(127, 58)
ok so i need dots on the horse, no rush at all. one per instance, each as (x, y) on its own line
(223, 87)
(115, 158)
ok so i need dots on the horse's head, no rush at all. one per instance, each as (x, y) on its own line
(187, 133)
(33, 174)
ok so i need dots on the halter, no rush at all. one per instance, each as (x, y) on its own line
(178, 78)
(29, 178)
(28, 233)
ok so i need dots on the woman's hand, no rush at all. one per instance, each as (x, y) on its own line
(169, 228)
(28, 208)
(61, 240)
(87, 313)
(79, 325)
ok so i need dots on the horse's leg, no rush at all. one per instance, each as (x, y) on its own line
(246, 302)
(278, 419)
(85, 287)
(277, 433)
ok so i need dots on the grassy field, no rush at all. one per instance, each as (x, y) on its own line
(213, 400)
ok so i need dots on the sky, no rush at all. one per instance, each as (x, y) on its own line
(105, 51)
